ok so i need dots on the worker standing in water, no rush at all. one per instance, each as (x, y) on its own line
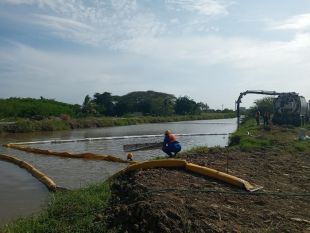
(170, 145)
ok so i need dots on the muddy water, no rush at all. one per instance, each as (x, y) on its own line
(21, 194)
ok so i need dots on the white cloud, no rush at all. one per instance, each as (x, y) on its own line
(18, 2)
(96, 22)
(204, 7)
(297, 22)
(26, 71)
(202, 68)
(197, 64)
(114, 21)
(68, 29)
(212, 50)
(253, 64)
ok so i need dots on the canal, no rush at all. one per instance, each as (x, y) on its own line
(21, 194)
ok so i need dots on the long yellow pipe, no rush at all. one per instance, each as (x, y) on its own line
(48, 182)
(173, 163)
(89, 156)
(165, 163)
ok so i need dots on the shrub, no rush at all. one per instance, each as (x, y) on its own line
(54, 125)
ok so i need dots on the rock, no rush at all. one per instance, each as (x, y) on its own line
(231, 202)
(214, 206)
(300, 220)
(98, 217)
(136, 227)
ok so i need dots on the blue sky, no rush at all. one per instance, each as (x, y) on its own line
(210, 50)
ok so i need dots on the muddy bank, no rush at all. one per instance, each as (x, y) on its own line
(169, 200)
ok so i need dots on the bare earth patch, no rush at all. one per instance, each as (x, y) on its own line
(172, 200)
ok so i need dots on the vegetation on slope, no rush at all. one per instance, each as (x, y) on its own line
(74, 211)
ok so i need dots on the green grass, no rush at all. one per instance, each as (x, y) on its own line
(301, 146)
(198, 150)
(72, 211)
(250, 137)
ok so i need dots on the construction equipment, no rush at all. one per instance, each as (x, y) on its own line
(289, 107)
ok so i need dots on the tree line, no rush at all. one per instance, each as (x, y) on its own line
(141, 102)
(144, 103)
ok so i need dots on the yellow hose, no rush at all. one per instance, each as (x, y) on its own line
(88, 156)
(162, 163)
(221, 176)
(48, 182)
(178, 163)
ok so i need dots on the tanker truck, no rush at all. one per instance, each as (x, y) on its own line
(308, 114)
(290, 108)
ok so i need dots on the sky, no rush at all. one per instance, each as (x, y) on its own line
(209, 50)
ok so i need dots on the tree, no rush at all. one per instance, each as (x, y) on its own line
(184, 105)
(203, 107)
(88, 107)
(146, 102)
(104, 103)
(263, 105)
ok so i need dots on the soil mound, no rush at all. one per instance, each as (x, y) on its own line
(172, 200)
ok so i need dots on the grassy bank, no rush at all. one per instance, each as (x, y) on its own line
(55, 124)
(74, 211)
(251, 137)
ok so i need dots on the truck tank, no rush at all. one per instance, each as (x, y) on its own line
(290, 109)
(308, 114)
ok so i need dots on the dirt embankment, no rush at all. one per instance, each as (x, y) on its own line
(172, 200)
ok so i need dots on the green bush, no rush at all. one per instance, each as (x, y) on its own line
(23, 126)
(54, 125)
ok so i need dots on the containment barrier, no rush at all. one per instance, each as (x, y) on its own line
(116, 138)
(178, 163)
(222, 176)
(48, 182)
(88, 156)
